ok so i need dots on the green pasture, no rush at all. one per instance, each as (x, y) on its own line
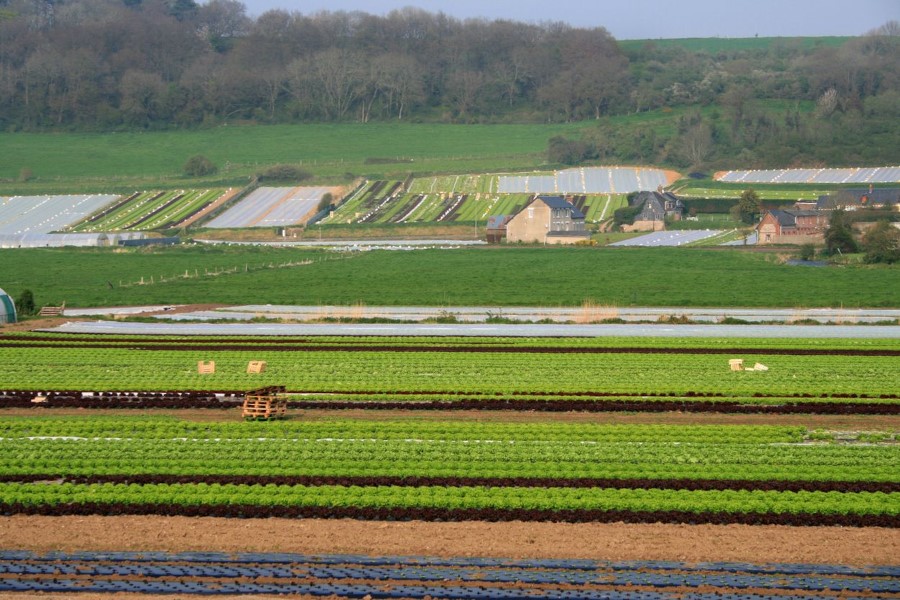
(716, 189)
(492, 276)
(715, 45)
(102, 161)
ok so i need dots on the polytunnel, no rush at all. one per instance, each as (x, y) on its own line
(7, 308)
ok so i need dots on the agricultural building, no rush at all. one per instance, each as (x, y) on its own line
(858, 198)
(7, 308)
(656, 207)
(496, 228)
(792, 227)
(548, 220)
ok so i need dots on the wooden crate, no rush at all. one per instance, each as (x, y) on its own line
(256, 366)
(736, 364)
(206, 367)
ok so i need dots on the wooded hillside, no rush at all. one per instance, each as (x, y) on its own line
(107, 64)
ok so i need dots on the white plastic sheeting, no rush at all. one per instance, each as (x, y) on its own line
(848, 175)
(43, 214)
(272, 206)
(669, 238)
(53, 240)
(589, 180)
(534, 330)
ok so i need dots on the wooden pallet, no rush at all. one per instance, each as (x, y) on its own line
(52, 311)
(264, 404)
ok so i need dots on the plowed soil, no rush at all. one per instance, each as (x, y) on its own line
(615, 541)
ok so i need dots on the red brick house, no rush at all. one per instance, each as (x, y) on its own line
(792, 227)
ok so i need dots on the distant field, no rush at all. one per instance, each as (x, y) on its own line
(765, 192)
(496, 276)
(329, 150)
(145, 211)
(715, 44)
(449, 200)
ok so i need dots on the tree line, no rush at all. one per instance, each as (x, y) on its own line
(102, 64)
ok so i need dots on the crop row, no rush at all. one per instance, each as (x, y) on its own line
(457, 514)
(643, 500)
(388, 371)
(150, 210)
(886, 347)
(532, 482)
(167, 429)
(358, 449)
(449, 401)
(160, 344)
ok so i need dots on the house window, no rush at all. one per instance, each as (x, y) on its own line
(530, 213)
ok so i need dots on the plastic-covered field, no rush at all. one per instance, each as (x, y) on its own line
(358, 576)
(834, 176)
(592, 180)
(44, 214)
(669, 238)
(272, 206)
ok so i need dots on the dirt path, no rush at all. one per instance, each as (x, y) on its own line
(688, 543)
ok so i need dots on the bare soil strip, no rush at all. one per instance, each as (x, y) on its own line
(600, 541)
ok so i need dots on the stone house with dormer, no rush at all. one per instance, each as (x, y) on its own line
(548, 220)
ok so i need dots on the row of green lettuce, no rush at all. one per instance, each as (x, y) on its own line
(61, 447)
(872, 378)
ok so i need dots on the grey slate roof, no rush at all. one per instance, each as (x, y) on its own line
(855, 196)
(498, 221)
(560, 202)
(785, 219)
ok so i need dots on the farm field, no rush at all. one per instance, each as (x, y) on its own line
(273, 206)
(472, 371)
(504, 276)
(345, 575)
(406, 434)
(45, 214)
(155, 159)
(860, 176)
(384, 202)
(146, 211)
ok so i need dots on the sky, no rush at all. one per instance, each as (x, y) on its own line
(644, 19)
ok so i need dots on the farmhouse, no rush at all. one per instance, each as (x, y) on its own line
(548, 220)
(792, 226)
(655, 208)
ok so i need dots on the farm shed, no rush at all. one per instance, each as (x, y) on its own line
(496, 228)
(548, 220)
(857, 198)
(7, 308)
(116, 239)
(53, 240)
